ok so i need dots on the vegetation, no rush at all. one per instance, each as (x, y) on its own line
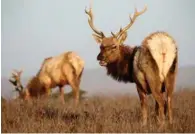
(95, 114)
(68, 96)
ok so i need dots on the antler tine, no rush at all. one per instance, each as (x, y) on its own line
(132, 20)
(16, 74)
(90, 21)
(12, 81)
(115, 35)
(15, 79)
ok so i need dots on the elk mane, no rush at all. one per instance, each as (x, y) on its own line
(122, 69)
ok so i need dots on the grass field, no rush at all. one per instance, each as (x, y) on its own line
(95, 114)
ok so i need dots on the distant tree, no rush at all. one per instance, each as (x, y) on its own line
(3, 100)
(68, 96)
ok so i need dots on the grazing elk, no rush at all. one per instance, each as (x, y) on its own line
(55, 71)
(151, 66)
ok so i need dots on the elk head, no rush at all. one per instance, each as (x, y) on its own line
(16, 82)
(110, 46)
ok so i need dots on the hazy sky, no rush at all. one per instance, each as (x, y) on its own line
(35, 29)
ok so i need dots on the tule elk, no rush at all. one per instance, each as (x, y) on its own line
(55, 71)
(152, 66)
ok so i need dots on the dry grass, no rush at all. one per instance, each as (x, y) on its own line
(97, 114)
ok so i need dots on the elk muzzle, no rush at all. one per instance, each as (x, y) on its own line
(101, 59)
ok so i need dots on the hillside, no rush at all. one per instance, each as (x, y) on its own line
(95, 81)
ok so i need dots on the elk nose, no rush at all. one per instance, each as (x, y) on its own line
(99, 57)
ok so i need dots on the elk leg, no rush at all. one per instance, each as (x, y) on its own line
(75, 88)
(159, 99)
(155, 86)
(164, 92)
(26, 95)
(72, 79)
(170, 82)
(156, 108)
(79, 77)
(170, 85)
(143, 99)
(62, 94)
(166, 103)
(48, 90)
(164, 97)
(141, 87)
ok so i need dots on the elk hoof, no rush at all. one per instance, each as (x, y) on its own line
(161, 127)
(171, 122)
(63, 102)
(144, 123)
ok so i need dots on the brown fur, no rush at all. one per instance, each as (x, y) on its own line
(137, 65)
(122, 69)
(56, 71)
(152, 66)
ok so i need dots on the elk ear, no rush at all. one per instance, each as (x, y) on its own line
(122, 38)
(97, 38)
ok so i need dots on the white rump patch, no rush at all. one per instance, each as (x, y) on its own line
(163, 50)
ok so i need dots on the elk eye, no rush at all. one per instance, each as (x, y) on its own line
(101, 47)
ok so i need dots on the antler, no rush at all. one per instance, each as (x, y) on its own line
(90, 21)
(132, 20)
(15, 80)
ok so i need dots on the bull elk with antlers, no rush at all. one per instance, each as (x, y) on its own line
(55, 71)
(152, 66)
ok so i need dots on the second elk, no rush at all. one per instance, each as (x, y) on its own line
(58, 71)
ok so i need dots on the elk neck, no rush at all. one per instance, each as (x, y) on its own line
(122, 69)
(34, 86)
